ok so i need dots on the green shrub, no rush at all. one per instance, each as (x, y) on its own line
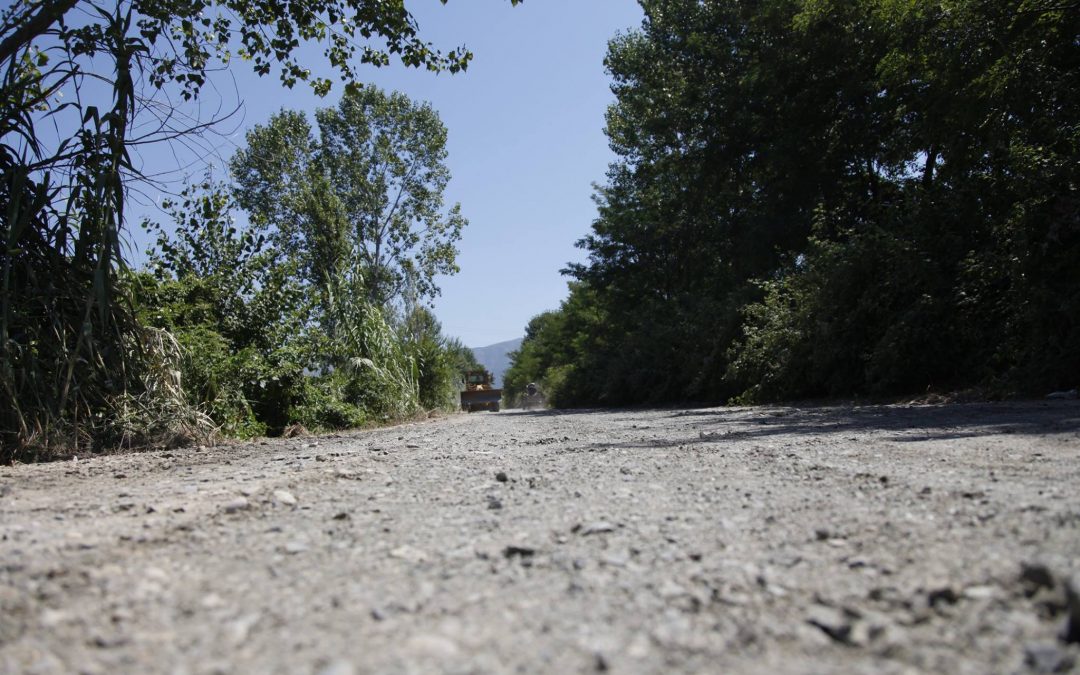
(321, 405)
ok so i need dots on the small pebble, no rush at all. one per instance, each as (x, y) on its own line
(833, 622)
(237, 504)
(979, 592)
(337, 667)
(598, 527)
(295, 547)
(409, 553)
(433, 646)
(285, 497)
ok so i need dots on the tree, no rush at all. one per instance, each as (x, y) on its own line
(364, 199)
(567, 352)
(63, 196)
(441, 361)
(955, 274)
(709, 188)
(826, 197)
(290, 200)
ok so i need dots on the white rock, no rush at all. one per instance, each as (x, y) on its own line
(285, 497)
(980, 592)
(435, 646)
(338, 667)
(51, 618)
(211, 601)
(234, 505)
(408, 553)
(239, 628)
(639, 646)
(599, 527)
(155, 574)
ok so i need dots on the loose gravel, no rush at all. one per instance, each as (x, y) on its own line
(874, 539)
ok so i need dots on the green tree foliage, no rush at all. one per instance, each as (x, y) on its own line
(823, 197)
(952, 268)
(559, 345)
(69, 347)
(441, 361)
(359, 208)
(254, 356)
(365, 198)
(231, 302)
(539, 353)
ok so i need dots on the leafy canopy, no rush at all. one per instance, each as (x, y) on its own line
(827, 197)
(363, 199)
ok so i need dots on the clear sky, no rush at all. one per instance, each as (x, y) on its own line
(526, 143)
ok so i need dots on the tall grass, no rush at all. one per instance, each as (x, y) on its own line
(73, 364)
(385, 376)
(159, 415)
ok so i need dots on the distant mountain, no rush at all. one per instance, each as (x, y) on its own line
(496, 357)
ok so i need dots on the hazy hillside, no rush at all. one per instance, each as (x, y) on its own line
(496, 357)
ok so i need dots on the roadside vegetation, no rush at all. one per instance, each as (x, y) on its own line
(829, 198)
(292, 295)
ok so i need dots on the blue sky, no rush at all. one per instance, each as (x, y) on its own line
(526, 143)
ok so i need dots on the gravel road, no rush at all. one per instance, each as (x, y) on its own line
(876, 539)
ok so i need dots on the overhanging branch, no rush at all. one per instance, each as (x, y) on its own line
(37, 25)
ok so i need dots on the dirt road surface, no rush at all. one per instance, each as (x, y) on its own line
(895, 539)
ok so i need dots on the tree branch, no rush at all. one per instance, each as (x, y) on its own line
(37, 25)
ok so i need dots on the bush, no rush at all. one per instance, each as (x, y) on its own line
(869, 310)
(321, 405)
(440, 361)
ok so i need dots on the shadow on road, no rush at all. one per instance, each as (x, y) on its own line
(909, 422)
(901, 423)
(560, 412)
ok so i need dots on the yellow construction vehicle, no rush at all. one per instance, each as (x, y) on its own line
(479, 394)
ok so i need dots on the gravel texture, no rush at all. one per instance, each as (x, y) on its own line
(876, 539)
